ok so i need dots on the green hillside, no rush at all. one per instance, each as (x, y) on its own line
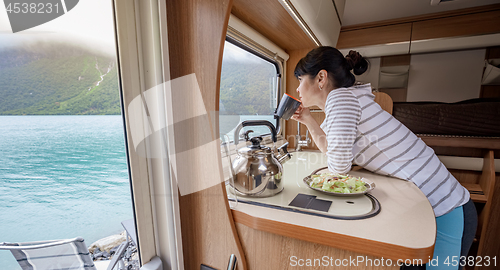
(57, 80)
(60, 79)
(245, 89)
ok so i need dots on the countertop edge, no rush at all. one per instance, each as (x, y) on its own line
(335, 240)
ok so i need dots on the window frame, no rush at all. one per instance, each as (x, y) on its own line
(142, 59)
(243, 42)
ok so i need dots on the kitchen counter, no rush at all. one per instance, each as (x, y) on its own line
(404, 229)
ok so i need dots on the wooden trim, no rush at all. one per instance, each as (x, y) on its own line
(234, 231)
(232, 225)
(376, 35)
(488, 176)
(335, 240)
(196, 34)
(487, 183)
(395, 60)
(417, 18)
(469, 142)
(384, 100)
(466, 25)
(271, 251)
(476, 192)
(396, 94)
(489, 244)
(271, 20)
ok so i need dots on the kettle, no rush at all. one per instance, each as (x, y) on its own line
(257, 170)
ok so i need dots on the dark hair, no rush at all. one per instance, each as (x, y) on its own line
(332, 60)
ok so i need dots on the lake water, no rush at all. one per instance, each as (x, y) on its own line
(61, 177)
(228, 123)
(66, 176)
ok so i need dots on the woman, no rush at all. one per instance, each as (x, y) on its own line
(356, 130)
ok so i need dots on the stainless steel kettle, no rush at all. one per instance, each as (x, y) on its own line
(257, 170)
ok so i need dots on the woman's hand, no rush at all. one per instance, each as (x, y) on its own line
(303, 115)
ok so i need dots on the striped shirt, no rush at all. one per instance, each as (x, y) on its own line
(358, 131)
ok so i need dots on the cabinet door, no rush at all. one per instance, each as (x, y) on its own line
(377, 41)
(374, 35)
(457, 26)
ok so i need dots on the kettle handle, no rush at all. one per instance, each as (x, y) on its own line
(248, 123)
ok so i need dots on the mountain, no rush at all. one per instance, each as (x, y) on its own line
(245, 88)
(57, 79)
(51, 78)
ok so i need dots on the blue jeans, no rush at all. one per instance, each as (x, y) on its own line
(450, 228)
(454, 236)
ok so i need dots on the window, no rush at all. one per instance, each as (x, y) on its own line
(63, 166)
(249, 87)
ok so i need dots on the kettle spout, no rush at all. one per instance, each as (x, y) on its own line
(283, 155)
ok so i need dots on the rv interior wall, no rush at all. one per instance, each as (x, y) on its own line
(196, 41)
(291, 88)
(445, 77)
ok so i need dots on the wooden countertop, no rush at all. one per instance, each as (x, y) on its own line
(405, 228)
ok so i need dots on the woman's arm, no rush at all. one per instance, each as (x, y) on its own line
(336, 141)
(303, 115)
(343, 114)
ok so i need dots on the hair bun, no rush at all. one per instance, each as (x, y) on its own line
(356, 62)
(352, 58)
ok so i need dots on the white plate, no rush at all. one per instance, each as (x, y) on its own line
(369, 185)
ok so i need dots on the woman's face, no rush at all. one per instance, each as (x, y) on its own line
(307, 90)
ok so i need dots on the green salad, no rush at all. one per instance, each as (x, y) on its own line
(337, 183)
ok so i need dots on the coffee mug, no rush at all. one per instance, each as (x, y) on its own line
(288, 105)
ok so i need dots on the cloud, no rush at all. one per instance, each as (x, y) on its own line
(233, 53)
(89, 24)
(42, 40)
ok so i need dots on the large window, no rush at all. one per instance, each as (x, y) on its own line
(63, 166)
(249, 89)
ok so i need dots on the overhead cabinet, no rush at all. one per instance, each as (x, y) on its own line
(456, 33)
(377, 41)
(482, 23)
(466, 29)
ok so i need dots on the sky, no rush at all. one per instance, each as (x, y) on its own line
(233, 53)
(89, 23)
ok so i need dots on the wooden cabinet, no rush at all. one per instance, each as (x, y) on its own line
(482, 23)
(196, 33)
(452, 30)
(271, 20)
(375, 35)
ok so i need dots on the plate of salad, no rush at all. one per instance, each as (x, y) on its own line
(338, 184)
